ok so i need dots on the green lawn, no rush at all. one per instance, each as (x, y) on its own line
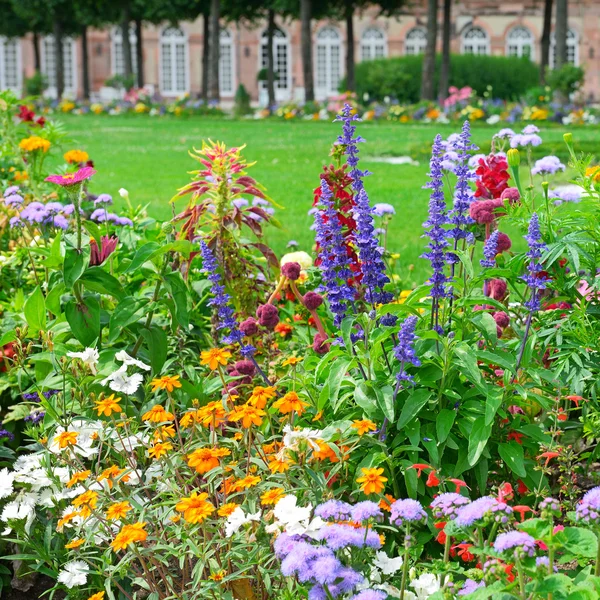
(149, 157)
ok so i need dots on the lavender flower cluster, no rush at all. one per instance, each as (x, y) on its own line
(404, 351)
(528, 137)
(535, 279)
(447, 505)
(407, 511)
(517, 541)
(548, 165)
(482, 510)
(490, 250)
(588, 510)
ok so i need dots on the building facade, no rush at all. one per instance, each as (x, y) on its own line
(173, 55)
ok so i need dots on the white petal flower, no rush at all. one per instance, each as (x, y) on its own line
(6, 483)
(426, 585)
(123, 357)
(287, 512)
(124, 193)
(291, 437)
(120, 382)
(74, 573)
(237, 518)
(89, 357)
(22, 507)
(387, 565)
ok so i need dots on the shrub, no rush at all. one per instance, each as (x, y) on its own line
(36, 84)
(566, 80)
(242, 102)
(400, 77)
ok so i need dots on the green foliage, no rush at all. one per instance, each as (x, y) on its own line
(36, 84)
(242, 102)
(566, 80)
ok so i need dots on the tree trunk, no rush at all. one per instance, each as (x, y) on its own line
(428, 73)
(545, 41)
(85, 64)
(560, 31)
(139, 52)
(445, 68)
(270, 59)
(126, 46)
(36, 52)
(59, 56)
(213, 68)
(306, 43)
(205, 55)
(350, 60)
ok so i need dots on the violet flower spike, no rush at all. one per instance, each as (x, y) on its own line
(490, 250)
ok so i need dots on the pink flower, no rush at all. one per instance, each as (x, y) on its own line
(69, 179)
(107, 247)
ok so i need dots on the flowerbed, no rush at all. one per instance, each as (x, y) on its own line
(187, 415)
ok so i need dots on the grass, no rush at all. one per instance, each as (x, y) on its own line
(149, 157)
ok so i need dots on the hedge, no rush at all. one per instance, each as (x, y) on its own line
(400, 77)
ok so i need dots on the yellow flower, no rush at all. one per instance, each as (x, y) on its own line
(195, 509)
(292, 360)
(66, 519)
(206, 459)
(97, 596)
(227, 509)
(86, 502)
(372, 482)
(218, 576)
(66, 438)
(111, 473)
(164, 433)
(261, 395)
(128, 535)
(157, 414)
(108, 406)
(593, 172)
(118, 510)
(245, 483)
(247, 414)
(140, 107)
(76, 156)
(160, 449)
(318, 416)
(278, 464)
(272, 496)
(364, 426)
(74, 544)
(33, 143)
(66, 106)
(214, 357)
(290, 402)
(212, 415)
(166, 382)
(78, 478)
(97, 108)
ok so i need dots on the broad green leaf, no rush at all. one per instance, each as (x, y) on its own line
(35, 311)
(413, 405)
(8, 337)
(537, 528)
(579, 542)
(94, 231)
(75, 265)
(98, 280)
(157, 345)
(142, 255)
(468, 361)
(512, 454)
(180, 293)
(480, 433)
(385, 401)
(493, 403)
(337, 375)
(365, 397)
(443, 423)
(53, 298)
(128, 311)
(84, 319)
(553, 584)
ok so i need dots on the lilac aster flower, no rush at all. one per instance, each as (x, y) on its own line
(549, 165)
(404, 350)
(518, 541)
(525, 140)
(363, 511)
(381, 209)
(284, 544)
(469, 586)
(103, 199)
(534, 279)
(566, 194)
(339, 536)
(446, 506)
(333, 509)
(490, 249)
(550, 505)
(407, 511)
(504, 134)
(531, 129)
(13, 189)
(370, 595)
(240, 203)
(483, 509)
(588, 510)
(13, 199)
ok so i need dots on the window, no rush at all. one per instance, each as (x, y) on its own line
(281, 59)
(173, 62)
(475, 41)
(373, 44)
(10, 65)
(69, 63)
(117, 56)
(226, 70)
(519, 42)
(328, 62)
(572, 48)
(416, 40)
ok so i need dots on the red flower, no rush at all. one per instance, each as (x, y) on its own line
(420, 467)
(441, 536)
(522, 488)
(432, 480)
(107, 247)
(71, 179)
(492, 177)
(463, 552)
(505, 492)
(25, 114)
(562, 416)
(548, 456)
(522, 510)
(515, 435)
(575, 399)
(508, 570)
(459, 483)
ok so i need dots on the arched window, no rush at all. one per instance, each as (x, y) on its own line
(10, 65)
(226, 69)
(519, 42)
(329, 62)
(373, 44)
(69, 65)
(475, 40)
(282, 62)
(416, 40)
(117, 56)
(173, 62)
(572, 48)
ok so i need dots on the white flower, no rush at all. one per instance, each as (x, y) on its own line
(307, 528)
(493, 119)
(22, 507)
(27, 462)
(6, 483)
(387, 565)
(296, 519)
(302, 258)
(237, 518)
(119, 381)
(87, 434)
(124, 193)
(394, 592)
(89, 357)
(293, 436)
(123, 357)
(426, 585)
(75, 573)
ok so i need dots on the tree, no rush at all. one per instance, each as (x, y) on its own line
(545, 41)
(428, 75)
(306, 49)
(445, 68)
(213, 53)
(561, 28)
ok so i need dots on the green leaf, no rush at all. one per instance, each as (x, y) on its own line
(492, 403)
(75, 264)
(443, 423)
(84, 319)
(365, 397)
(413, 405)
(53, 298)
(35, 311)
(337, 374)
(468, 361)
(537, 528)
(128, 311)
(157, 344)
(179, 292)
(580, 542)
(512, 454)
(385, 401)
(94, 231)
(8, 337)
(480, 434)
(553, 584)
(98, 280)
(142, 255)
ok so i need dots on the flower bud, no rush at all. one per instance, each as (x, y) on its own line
(291, 270)
(168, 227)
(312, 300)
(568, 137)
(513, 158)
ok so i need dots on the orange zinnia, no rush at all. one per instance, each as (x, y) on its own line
(118, 510)
(112, 473)
(245, 483)
(67, 438)
(97, 596)
(74, 544)
(372, 482)
(206, 459)
(292, 360)
(272, 496)
(86, 502)
(364, 426)
(227, 509)
(247, 414)
(160, 449)
(157, 414)
(290, 403)
(166, 382)
(108, 406)
(78, 478)
(261, 395)
(128, 535)
(212, 414)
(195, 509)
(278, 464)
(214, 357)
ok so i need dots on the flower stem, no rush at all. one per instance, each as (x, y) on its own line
(405, 565)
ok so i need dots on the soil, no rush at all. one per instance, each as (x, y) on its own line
(42, 583)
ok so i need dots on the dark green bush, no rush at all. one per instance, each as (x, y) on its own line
(400, 77)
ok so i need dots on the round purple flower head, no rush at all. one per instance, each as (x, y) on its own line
(549, 507)
(588, 510)
(370, 595)
(518, 541)
(486, 508)
(363, 511)
(407, 511)
(469, 586)
(446, 506)
(333, 509)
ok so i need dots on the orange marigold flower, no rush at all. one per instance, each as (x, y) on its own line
(118, 510)
(593, 172)
(78, 478)
(290, 402)
(160, 449)
(218, 576)
(291, 361)
(206, 459)
(325, 452)
(76, 156)
(163, 433)
(112, 473)
(108, 406)
(157, 414)
(195, 508)
(166, 382)
(67, 519)
(212, 414)
(245, 483)
(86, 502)
(386, 502)
(246, 413)
(97, 596)
(278, 464)
(75, 544)
(283, 329)
(364, 426)
(66, 438)
(214, 357)
(189, 418)
(33, 143)
(261, 395)
(129, 534)
(227, 509)
(372, 480)
(272, 496)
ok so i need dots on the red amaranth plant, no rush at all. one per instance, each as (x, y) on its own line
(492, 177)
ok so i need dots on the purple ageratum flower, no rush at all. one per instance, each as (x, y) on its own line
(483, 509)
(337, 536)
(370, 595)
(535, 280)
(588, 510)
(531, 129)
(381, 209)
(549, 165)
(550, 504)
(525, 140)
(284, 544)
(333, 509)
(103, 199)
(490, 249)
(13, 189)
(517, 541)
(404, 350)
(13, 199)
(504, 134)
(363, 511)
(446, 506)
(407, 511)
(469, 586)
(566, 194)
